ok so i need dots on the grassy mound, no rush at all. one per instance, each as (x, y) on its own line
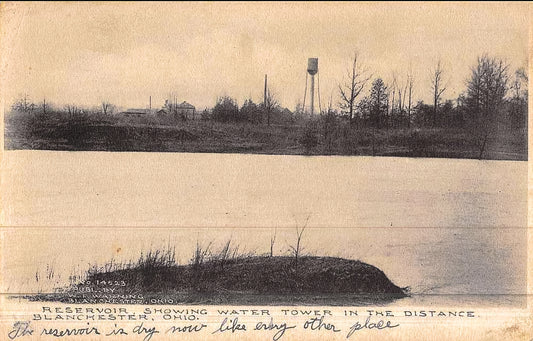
(245, 280)
(270, 275)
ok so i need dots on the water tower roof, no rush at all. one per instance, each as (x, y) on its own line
(312, 65)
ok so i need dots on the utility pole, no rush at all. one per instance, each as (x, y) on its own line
(265, 96)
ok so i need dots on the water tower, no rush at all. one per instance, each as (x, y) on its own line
(312, 69)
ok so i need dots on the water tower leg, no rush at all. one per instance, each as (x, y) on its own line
(312, 94)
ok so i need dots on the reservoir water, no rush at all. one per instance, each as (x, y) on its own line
(455, 231)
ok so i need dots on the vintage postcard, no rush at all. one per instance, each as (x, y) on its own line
(265, 171)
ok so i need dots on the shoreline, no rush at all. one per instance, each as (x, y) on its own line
(251, 280)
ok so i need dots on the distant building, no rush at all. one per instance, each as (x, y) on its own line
(136, 112)
(183, 110)
(187, 110)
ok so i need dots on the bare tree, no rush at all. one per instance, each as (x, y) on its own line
(357, 78)
(519, 84)
(487, 88)
(24, 104)
(270, 103)
(410, 82)
(272, 242)
(402, 94)
(437, 87)
(169, 106)
(392, 91)
(72, 110)
(107, 108)
(401, 97)
(522, 73)
(297, 248)
(404, 99)
(329, 121)
(44, 106)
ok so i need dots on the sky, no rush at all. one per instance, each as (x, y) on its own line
(86, 53)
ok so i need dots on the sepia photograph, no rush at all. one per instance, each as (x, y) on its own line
(285, 170)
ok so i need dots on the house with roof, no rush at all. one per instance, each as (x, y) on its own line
(187, 110)
(184, 110)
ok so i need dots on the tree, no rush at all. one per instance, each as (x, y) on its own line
(352, 87)
(206, 115)
(23, 104)
(309, 138)
(422, 114)
(44, 106)
(402, 102)
(329, 120)
(298, 108)
(448, 114)
(363, 110)
(296, 249)
(226, 110)
(378, 102)
(392, 94)
(486, 90)
(270, 104)
(409, 86)
(378, 107)
(107, 108)
(519, 99)
(169, 106)
(250, 111)
(272, 242)
(437, 88)
(72, 110)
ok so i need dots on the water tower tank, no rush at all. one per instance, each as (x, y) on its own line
(312, 66)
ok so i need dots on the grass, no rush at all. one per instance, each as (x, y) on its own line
(226, 276)
(56, 131)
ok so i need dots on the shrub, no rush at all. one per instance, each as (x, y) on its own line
(226, 110)
(309, 138)
(420, 144)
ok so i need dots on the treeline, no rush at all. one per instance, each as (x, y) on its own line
(372, 117)
(493, 104)
(24, 104)
(492, 95)
(268, 112)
